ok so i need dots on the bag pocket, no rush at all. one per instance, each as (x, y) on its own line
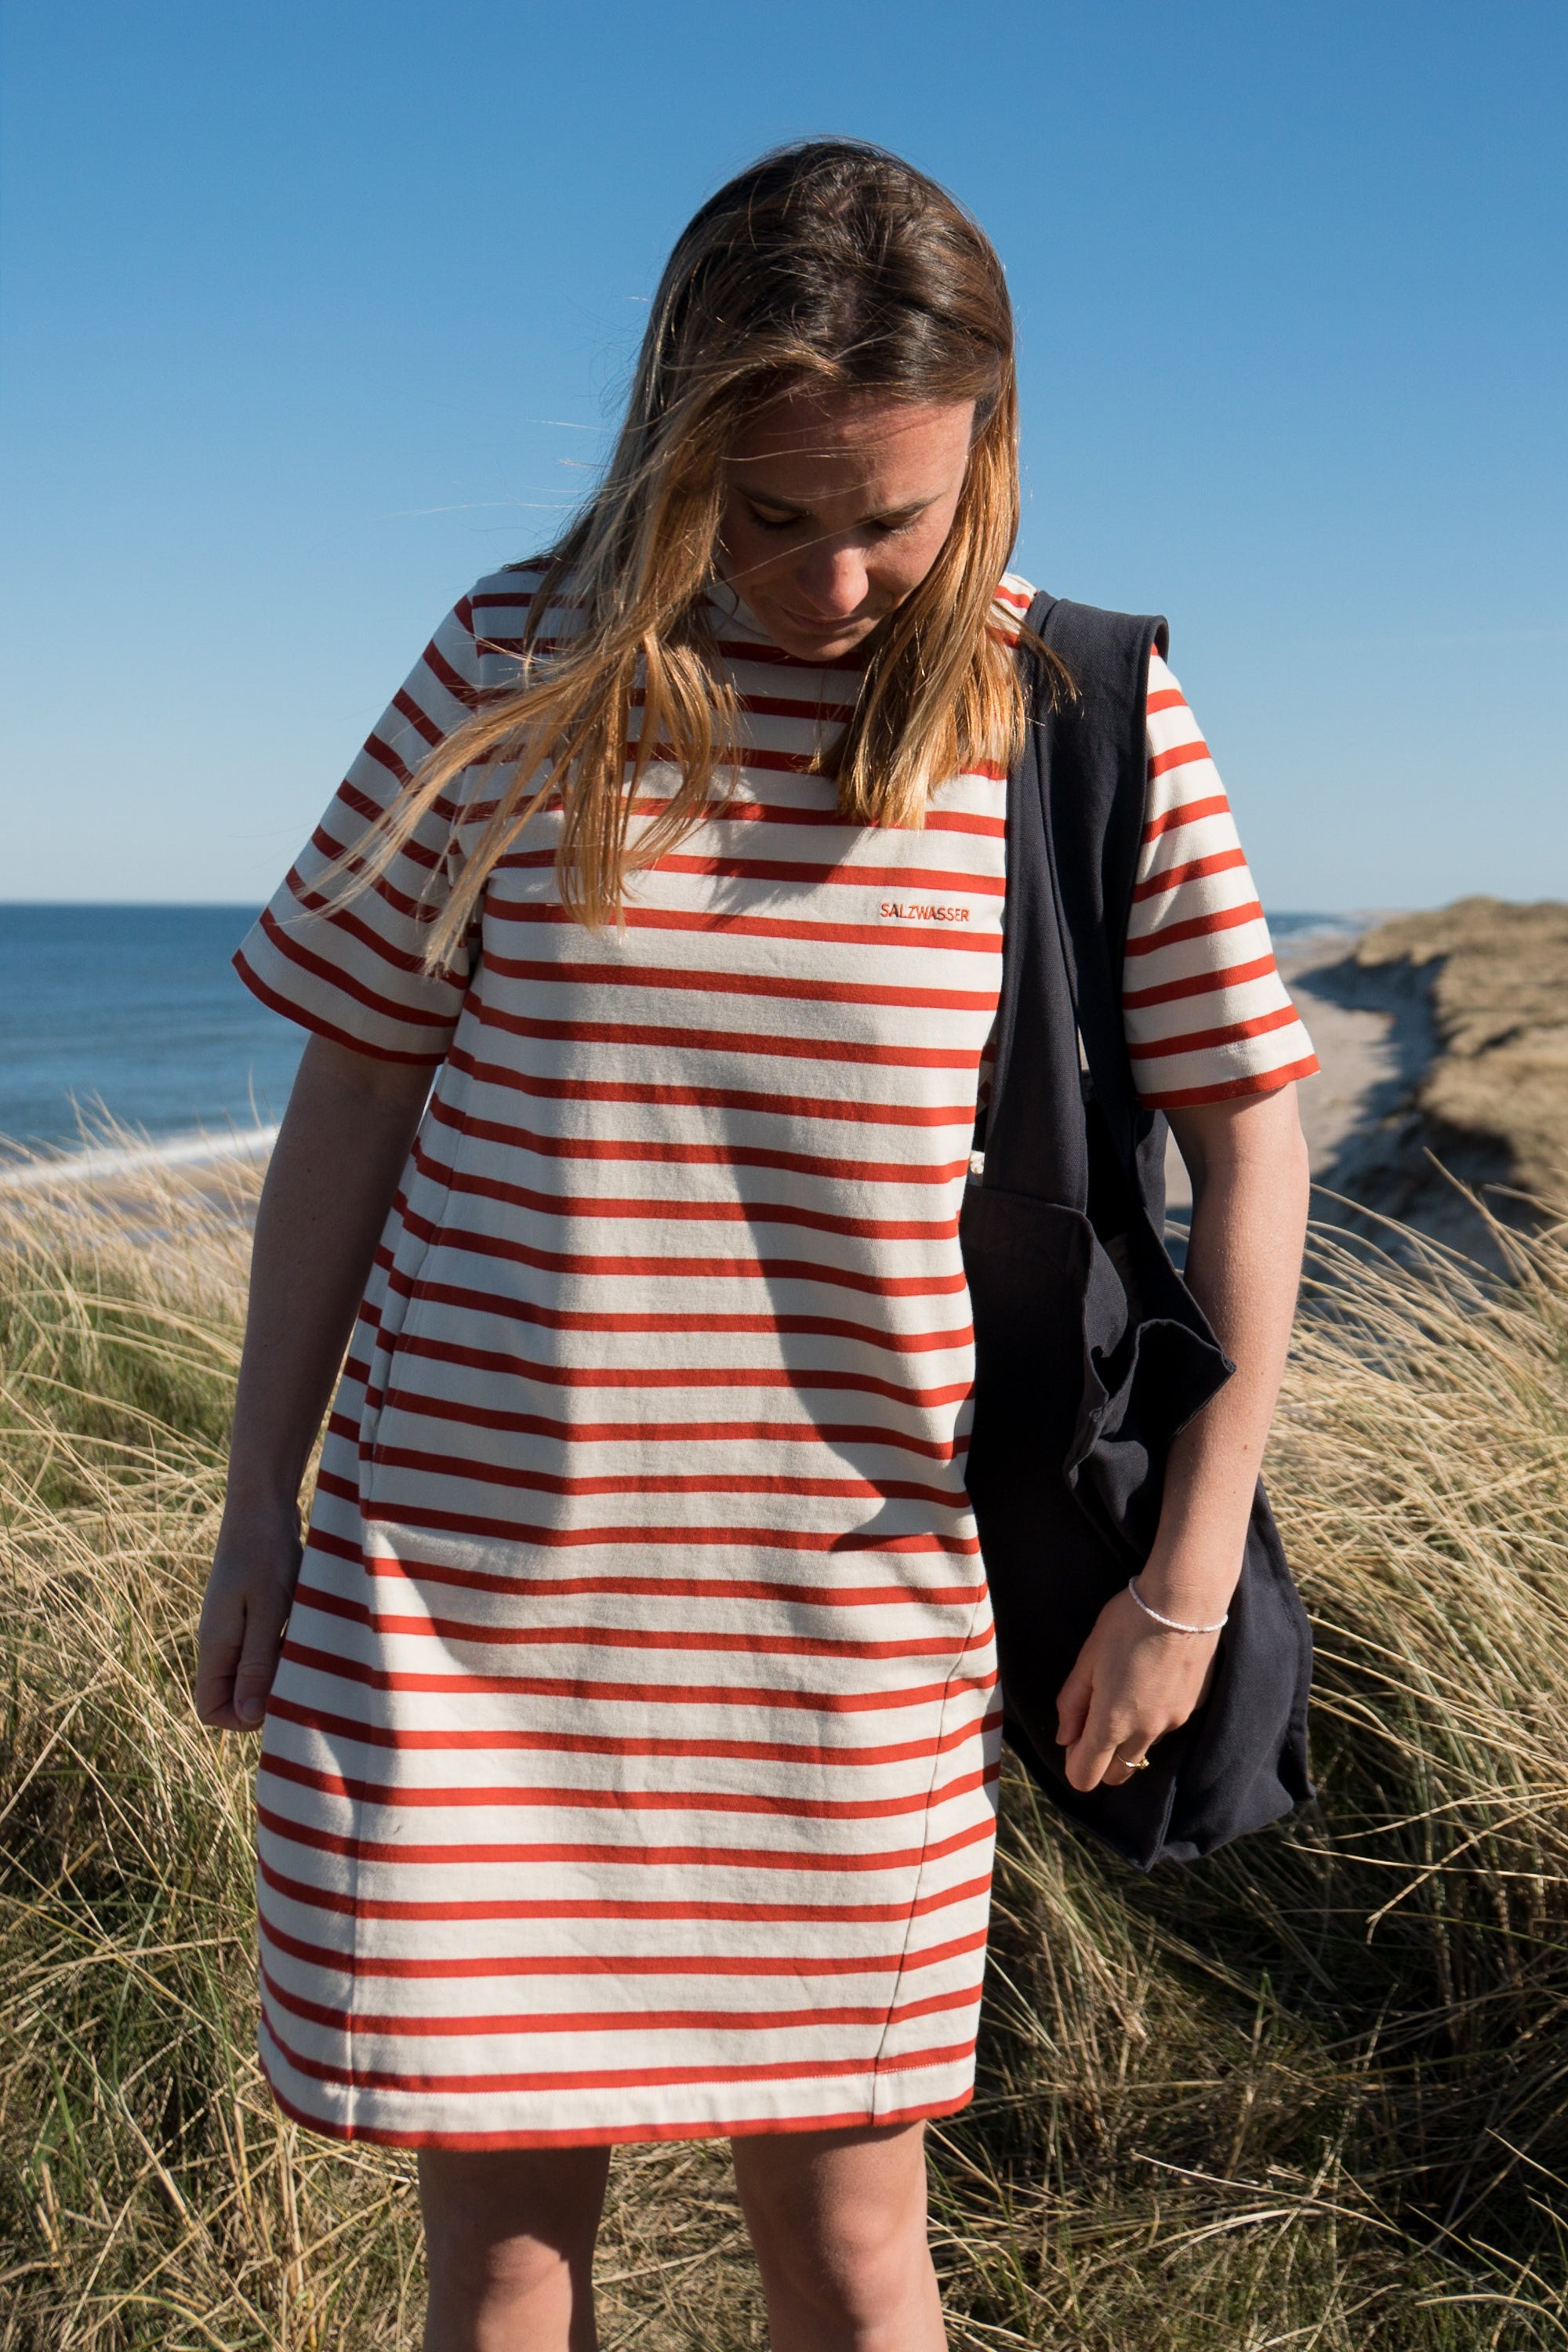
(1089, 1352)
(1150, 1361)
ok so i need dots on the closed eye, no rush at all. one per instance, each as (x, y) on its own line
(876, 525)
(774, 521)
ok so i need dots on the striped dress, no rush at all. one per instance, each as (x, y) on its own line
(629, 1772)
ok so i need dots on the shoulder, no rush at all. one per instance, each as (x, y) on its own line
(1117, 647)
(1164, 689)
(1085, 624)
(1013, 599)
(500, 602)
(499, 611)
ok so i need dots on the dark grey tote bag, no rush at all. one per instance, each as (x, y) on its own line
(1090, 1352)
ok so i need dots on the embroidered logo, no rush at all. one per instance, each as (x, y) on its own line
(897, 911)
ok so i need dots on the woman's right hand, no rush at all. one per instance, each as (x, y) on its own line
(333, 1173)
(248, 1597)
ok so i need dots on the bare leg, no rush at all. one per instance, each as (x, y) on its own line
(509, 2238)
(838, 2223)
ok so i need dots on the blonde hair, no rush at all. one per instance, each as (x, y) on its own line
(830, 266)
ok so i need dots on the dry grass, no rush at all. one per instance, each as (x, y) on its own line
(1314, 2094)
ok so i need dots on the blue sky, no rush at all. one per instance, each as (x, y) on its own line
(315, 312)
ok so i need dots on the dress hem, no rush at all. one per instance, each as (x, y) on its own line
(748, 2127)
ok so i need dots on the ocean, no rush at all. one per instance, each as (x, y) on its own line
(136, 1010)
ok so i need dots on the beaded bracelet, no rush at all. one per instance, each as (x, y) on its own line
(1172, 1625)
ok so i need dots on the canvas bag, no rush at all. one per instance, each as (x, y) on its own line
(1090, 1352)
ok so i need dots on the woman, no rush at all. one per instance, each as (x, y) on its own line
(629, 1763)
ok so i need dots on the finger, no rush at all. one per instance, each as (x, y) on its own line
(218, 1643)
(213, 1693)
(264, 1623)
(1089, 1757)
(1108, 1750)
(215, 1706)
(1073, 1704)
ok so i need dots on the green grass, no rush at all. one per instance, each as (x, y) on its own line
(1313, 2093)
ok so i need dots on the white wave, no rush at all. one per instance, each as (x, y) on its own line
(124, 1159)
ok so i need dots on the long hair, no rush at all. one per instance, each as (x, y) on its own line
(828, 266)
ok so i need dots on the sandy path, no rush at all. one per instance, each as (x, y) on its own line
(1369, 1059)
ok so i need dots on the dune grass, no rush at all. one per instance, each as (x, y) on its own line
(1313, 2093)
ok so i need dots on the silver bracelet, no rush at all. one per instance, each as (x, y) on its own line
(1173, 1625)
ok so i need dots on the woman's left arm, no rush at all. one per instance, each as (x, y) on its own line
(1135, 1681)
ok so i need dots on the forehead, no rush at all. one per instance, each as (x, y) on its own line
(833, 441)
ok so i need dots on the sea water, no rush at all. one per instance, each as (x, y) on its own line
(137, 1011)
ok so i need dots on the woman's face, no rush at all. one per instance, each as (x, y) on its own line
(836, 507)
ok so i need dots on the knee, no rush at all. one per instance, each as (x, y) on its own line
(854, 2274)
(500, 2230)
(492, 2271)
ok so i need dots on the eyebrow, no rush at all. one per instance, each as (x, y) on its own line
(788, 506)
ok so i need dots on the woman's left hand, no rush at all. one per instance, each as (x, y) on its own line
(1132, 1682)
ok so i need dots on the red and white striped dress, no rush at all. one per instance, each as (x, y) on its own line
(630, 1770)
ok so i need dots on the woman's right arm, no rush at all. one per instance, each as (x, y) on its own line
(334, 1170)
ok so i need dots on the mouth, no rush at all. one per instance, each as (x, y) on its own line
(815, 629)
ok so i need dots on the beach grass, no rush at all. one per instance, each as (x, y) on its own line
(1312, 2094)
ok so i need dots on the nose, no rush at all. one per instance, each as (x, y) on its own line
(831, 580)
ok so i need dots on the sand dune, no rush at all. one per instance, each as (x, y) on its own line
(1444, 1041)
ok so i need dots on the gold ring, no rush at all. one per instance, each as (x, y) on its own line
(1133, 1763)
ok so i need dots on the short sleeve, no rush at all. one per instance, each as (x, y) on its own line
(1207, 1015)
(355, 972)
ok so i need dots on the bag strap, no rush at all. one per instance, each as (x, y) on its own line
(1033, 1128)
(1075, 824)
(1092, 808)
